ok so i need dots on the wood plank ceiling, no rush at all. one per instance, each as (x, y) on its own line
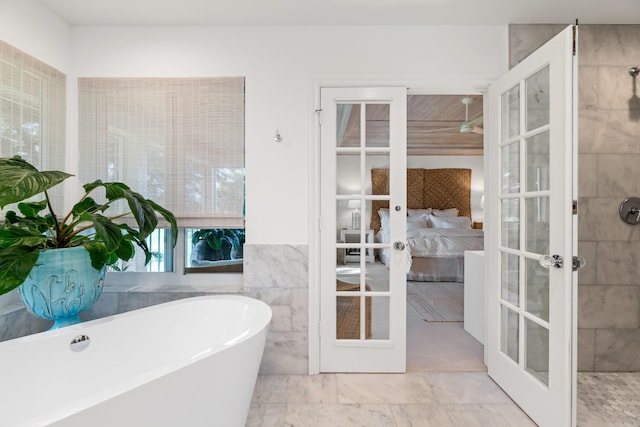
(433, 125)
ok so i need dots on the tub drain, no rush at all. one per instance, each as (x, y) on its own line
(80, 342)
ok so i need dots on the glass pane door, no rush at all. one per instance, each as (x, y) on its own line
(363, 318)
(362, 284)
(529, 240)
(525, 219)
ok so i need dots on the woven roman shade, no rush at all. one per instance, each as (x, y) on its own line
(32, 112)
(177, 141)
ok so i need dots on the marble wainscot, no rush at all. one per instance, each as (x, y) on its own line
(16, 321)
(278, 274)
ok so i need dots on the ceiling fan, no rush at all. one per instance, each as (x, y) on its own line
(467, 126)
(473, 125)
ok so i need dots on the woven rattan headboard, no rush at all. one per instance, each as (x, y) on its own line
(426, 188)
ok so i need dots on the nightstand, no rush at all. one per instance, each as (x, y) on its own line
(349, 235)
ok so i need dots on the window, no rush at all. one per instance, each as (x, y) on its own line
(32, 112)
(177, 141)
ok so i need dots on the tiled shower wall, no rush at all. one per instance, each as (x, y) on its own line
(609, 171)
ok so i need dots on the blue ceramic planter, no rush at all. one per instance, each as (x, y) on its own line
(61, 285)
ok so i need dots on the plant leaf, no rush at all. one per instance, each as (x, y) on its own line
(86, 205)
(115, 190)
(126, 250)
(31, 210)
(113, 258)
(16, 263)
(10, 217)
(93, 185)
(19, 180)
(169, 217)
(132, 235)
(15, 236)
(98, 253)
(107, 231)
(143, 213)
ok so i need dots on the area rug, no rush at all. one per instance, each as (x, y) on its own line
(437, 301)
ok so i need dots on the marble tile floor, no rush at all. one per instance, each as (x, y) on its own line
(411, 399)
(608, 399)
(445, 385)
(427, 399)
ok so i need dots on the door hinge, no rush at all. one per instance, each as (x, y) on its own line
(575, 39)
(575, 207)
(319, 114)
(319, 329)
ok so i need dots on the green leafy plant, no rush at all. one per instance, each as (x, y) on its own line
(37, 227)
(220, 240)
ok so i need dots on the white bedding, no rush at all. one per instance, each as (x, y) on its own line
(444, 242)
(438, 242)
(434, 233)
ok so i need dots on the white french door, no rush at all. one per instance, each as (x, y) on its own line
(362, 301)
(531, 239)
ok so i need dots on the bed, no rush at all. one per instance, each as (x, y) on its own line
(439, 226)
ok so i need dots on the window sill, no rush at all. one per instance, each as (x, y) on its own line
(225, 266)
(172, 282)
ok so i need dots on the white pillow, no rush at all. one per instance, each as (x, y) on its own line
(418, 212)
(462, 222)
(445, 212)
(416, 222)
(384, 218)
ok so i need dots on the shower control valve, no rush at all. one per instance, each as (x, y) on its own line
(630, 210)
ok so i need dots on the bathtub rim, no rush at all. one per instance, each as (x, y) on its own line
(265, 314)
(263, 319)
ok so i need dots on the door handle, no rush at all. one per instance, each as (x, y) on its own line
(398, 245)
(551, 261)
(578, 263)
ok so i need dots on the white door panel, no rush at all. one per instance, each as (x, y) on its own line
(529, 222)
(363, 319)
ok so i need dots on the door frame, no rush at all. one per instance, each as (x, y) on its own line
(434, 85)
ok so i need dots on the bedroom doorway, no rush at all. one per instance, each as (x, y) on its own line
(445, 138)
(351, 152)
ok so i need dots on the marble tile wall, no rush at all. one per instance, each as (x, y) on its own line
(16, 321)
(609, 155)
(279, 275)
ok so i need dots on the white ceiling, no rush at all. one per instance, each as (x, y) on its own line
(344, 12)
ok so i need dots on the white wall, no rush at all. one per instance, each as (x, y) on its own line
(281, 65)
(28, 26)
(34, 29)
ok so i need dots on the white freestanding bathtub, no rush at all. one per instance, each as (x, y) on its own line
(191, 362)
